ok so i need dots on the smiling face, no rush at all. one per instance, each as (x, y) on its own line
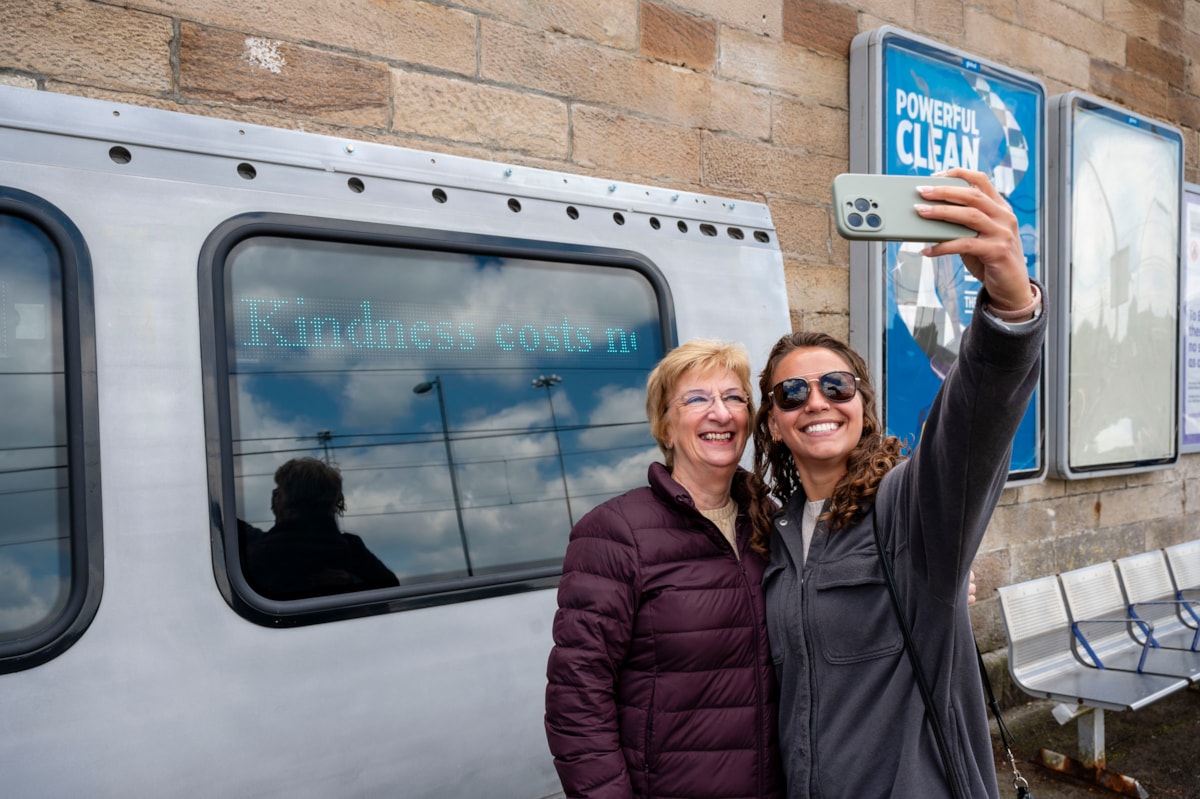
(707, 438)
(820, 434)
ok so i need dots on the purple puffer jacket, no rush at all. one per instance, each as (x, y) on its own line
(660, 680)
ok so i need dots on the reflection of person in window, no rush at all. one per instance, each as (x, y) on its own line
(305, 554)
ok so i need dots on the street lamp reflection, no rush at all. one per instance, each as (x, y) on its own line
(546, 381)
(425, 388)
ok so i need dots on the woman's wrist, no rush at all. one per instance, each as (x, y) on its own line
(1019, 314)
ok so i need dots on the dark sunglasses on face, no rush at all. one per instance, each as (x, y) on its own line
(792, 393)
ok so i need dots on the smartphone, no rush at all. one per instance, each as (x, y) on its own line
(880, 208)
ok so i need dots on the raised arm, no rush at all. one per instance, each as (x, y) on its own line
(949, 490)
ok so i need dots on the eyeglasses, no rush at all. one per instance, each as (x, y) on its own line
(792, 393)
(702, 401)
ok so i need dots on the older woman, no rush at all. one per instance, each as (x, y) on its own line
(852, 720)
(660, 680)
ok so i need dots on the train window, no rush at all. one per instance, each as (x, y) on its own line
(50, 560)
(407, 418)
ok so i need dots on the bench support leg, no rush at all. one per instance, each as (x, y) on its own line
(1091, 739)
(1091, 765)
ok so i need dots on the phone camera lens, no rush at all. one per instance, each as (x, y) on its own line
(854, 220)
(861, 204)
(873, 220)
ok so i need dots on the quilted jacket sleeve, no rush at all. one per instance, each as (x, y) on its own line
(597, 598)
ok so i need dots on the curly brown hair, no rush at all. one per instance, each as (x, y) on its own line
(872, 458)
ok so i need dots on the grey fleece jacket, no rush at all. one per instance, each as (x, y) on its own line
(852, 723)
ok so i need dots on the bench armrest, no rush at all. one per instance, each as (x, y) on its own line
(1189, 605)
(1147, 630)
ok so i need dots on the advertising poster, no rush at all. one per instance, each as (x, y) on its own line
(1190, 439)
(942, 110)
(1125, 195)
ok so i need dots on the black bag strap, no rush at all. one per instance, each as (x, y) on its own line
(956, 789)
(1019, 782)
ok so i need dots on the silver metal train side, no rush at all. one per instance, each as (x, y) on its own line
(171, 678)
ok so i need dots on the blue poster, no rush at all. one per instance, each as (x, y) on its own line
(943, 110)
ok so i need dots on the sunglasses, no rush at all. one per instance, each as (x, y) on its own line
(792, 393)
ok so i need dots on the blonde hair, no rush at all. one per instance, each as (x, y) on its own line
(697, 355)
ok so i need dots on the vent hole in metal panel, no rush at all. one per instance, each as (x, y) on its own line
(514, 205)
(682, 226)
(735, 233)
(708, 230)
(356, 185)
(572, 212)
(618, 217)
(439, 196)
(247, 171)
(120, 155)
(761, 236)
(654, 223)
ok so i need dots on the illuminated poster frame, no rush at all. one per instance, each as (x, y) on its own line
(917, 106)
(1114, 338)
(1189, 328)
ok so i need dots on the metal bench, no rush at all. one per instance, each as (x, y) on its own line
(1151, 595)
(1107, 636)
(1184, 563)
(1042, 661)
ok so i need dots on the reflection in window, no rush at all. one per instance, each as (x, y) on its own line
(474, 406)
(35, 537)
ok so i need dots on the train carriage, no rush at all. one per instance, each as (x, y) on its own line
(186, 305)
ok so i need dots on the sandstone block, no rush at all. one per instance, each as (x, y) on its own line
(743, 164)
(609, 22)
(799, 71)
(408, 31)
(231, 67)
(811, 126)
(459, 110)
(760, 17)
(584, 72)
(678, 38)
(634, 147)
(88, 43)
(820, 24)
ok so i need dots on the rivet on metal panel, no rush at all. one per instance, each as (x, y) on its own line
(612, 186)
(508, 172)
(350, 149)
